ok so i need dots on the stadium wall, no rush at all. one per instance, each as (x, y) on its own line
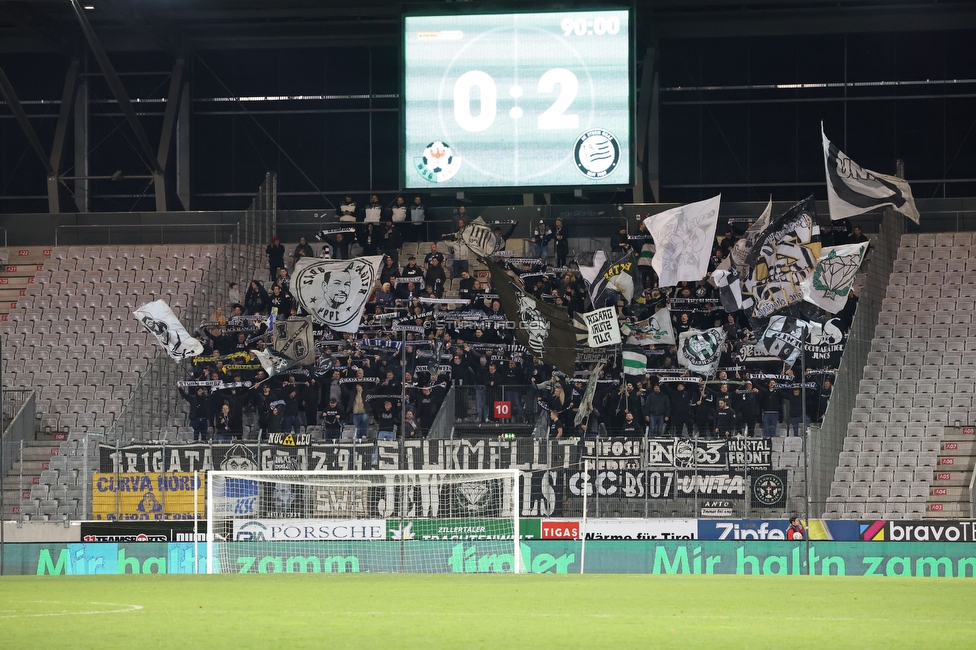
(773, 558)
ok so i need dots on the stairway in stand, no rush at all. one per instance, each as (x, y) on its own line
(949, 497)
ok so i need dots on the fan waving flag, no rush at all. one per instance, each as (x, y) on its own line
(159, 319)
(701, 351)
(783, 338)
(683, 239)
(293, 338)
(274, 362)
(830, 283)
(740, 251)
(478, 237)
(543, 328)
(334, 292)
(593, 276)
(853, 190)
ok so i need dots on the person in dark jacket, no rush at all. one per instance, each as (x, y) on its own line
(332, 421)
(725, 422)
(369, 239)
(746, 405)
(276, 256)
(796, 409)
(256, 299)
(199, 412)
(681, 409)
(561, 235)
(303, 249)
(770, 401)
(657, 406)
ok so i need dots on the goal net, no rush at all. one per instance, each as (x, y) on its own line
(417, 521)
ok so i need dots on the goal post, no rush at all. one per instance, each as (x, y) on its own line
(398, 521)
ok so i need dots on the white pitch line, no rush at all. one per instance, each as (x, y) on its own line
(128, 608)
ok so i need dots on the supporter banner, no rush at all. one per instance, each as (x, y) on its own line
(717, 508)
(853, 190)
(830, 283)
(158, 318)
(656, 330)
(147, 495)
(685, 557)
(293, 339)
(752, 453)
(928, 530)
(769, 488)
(290, 530)
(334, 293)
(683, 453)
(602, 328)
(782, 258)
(740, 251)
(826, 344)
(623, 483)
(701, 351)
(783, 338)
(143, 531)
(683, 238)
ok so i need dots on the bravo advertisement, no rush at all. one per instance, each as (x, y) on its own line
(893, 559)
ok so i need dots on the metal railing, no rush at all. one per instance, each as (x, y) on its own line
(155, 402)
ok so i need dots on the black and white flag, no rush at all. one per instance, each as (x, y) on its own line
(784, 338)
(273, 362)
(683, 238)
(701, 351)
(334, 292)
(293, 338)
(853, 190)
(478, 237)
(740, 251)
(158, 318)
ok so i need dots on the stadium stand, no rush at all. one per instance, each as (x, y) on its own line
(918, 384)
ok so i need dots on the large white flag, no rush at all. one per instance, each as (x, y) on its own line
(853, 190)
(334, 292)
(830, 283)
(656, 330)
(273, 362)
(683, 238)
(159, 319)
(593, 276)
(602, 327)
(701, 351)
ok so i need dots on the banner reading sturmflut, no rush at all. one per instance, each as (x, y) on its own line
(159, 319)
(334, 292)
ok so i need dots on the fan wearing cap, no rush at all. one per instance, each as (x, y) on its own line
(540, 238)
(276, 256)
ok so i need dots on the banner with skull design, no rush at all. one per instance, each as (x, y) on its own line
(542, 328)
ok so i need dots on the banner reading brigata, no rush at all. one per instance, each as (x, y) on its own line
(147, 495)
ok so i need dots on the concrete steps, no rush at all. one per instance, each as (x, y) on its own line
(17, 269)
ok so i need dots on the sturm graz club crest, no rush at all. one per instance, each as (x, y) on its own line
(597, 153)
(437, 163)
(702, 349)
(769, 490)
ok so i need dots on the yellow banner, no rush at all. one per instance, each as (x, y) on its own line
(147, 495)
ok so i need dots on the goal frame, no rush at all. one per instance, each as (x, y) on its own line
(513, 473)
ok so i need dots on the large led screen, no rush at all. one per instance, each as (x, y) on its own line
(517, 100)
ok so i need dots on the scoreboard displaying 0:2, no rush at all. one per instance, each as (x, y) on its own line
(517, 100)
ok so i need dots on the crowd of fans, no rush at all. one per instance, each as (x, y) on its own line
(384, 382)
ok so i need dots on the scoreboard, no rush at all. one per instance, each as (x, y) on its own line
(517, 100)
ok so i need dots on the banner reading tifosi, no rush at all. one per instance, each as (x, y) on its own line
(147, 495)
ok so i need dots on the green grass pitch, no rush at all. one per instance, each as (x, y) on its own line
(485, 611)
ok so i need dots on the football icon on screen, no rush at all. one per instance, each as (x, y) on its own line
(437, 163)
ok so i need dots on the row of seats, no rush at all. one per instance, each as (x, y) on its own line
(882, 475)
(928, 304)
(126, 274)
(920, 415)
(886, 401)
(881, 490)
(923, 345)
(933, 266)
(940, 240)
(924, 331)
(154, 289)
(931, 279)
(933, 253)
(917, 373)
(897, 430)
(888, 509)
(112, 252)
(907, 459)
(898, 359)
(928, 292)
(891, 444)
(909, 318)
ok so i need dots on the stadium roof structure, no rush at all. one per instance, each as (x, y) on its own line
(174, 25)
